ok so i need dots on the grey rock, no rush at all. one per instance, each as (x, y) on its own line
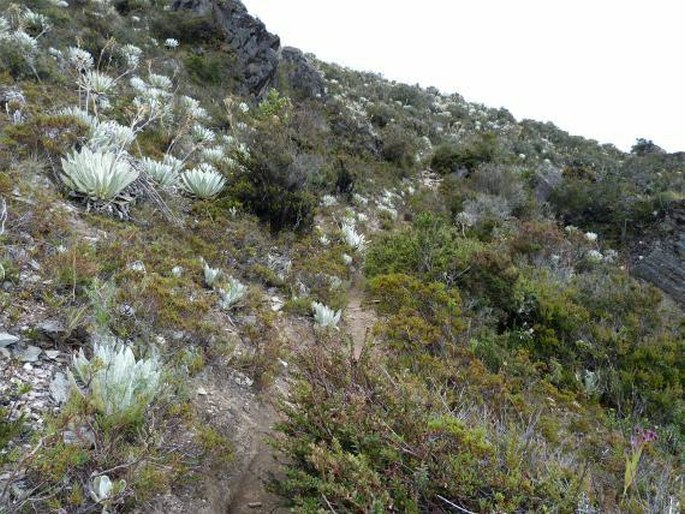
(300, 75)
(660, 258)
(52, 354)
(126, 310)
(7, 339)
(59, 388)
(51, 327)
(29, 354)
(81, 436)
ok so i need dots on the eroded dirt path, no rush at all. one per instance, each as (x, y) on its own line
(359, 319)
(236, 410)
(251, 494)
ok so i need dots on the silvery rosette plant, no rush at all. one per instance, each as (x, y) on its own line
(120, 386)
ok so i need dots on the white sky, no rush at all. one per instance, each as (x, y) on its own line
(604, 69)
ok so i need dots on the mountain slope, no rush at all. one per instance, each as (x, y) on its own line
(425, 304)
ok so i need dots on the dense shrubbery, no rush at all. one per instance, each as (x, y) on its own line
(451, 157)
(277, 174)
(399, 445)
(606, 327)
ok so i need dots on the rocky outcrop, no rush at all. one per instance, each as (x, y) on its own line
(260, 60)
(299, 75)
(661, 260)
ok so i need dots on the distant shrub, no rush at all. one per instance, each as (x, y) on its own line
(399, 146)
(186, 27)
(45, 134)
(450, 157)
(431, 248)
(274, 180)
(208, 68)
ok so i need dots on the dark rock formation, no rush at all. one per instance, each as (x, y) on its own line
(661, 260)
(260, 61)
(299, 75)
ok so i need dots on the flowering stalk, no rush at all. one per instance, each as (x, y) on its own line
(638, 443)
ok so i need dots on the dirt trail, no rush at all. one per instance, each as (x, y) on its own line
(251, 495)
(247, 418)
(359, 320)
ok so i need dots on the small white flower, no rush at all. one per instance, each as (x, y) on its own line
(97, 83)
(131, 55)
(212, 275)
(215, 155)
(27, 45)
(36, 21)
(202, 135)
(591, 236)
(204, 182)
(111, 136)
(138, 84)
(234, 292)
(161, 173)
(171, 43)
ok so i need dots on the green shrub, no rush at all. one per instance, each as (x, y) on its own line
(450, 157)
(209, 68)
(360, 439)
(399, 146)
(274, 181)
(430, 248)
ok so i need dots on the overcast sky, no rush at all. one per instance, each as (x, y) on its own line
(605, 69)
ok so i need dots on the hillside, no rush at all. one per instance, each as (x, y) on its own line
(237, 279)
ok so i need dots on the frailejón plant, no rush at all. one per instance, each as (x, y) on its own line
(204, 182)
(162, 174)
(118, 384)
(324, 316)
(97, 175)
(232, 294)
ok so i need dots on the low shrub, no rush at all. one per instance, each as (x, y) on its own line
(451, 157)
